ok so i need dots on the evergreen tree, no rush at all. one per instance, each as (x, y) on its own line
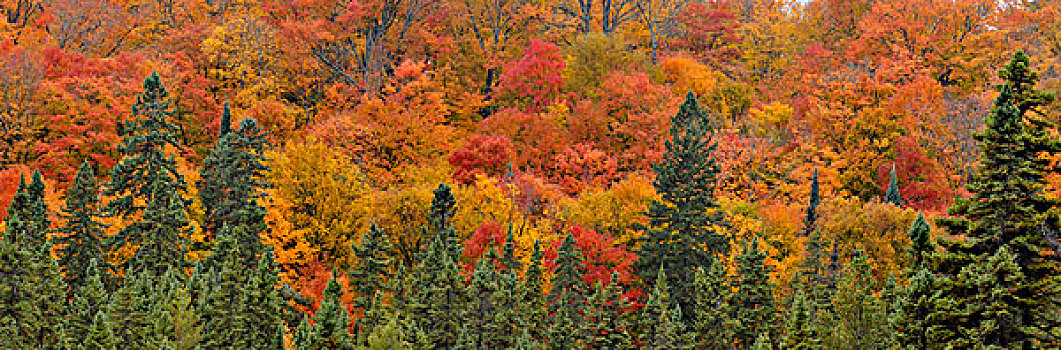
(567, 279)
(1008, 210)
(175, 322)
(605, 326)
(371, 275)
(32, 291)
(712, 293)
(560, 334)
(387, 337)
(27, 215)
(752, 308)
(990, 318)
(914, 307)
(861, 318)
(683, 231)
(438, 302)
(219, 307)
(130, 310)
(892, 195)
(509, 261)
(921, 240)
(100, 334)
(810, 220)
(81, 235)
(800, 332)
(331, 323)
(146, 186)
(89, 301)
(261, 306)
(232, 178)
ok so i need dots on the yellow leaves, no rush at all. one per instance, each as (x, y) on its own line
(317, 196)
(688, 74)
(772, 119)
(616, 210)
(875, 228)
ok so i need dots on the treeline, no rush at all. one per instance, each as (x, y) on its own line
(992, 282)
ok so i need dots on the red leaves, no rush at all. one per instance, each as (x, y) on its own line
(600, 257)
(534, 81)
(485, 155)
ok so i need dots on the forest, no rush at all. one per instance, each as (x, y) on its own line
(530, 174)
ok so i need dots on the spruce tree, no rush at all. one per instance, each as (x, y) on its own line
(800, 332)
(232, 179)
(89, 300)
(81, 235)
(892, 195)
(567, 279)
(712, 294)
(260, 305)
(752, 308)
(438, 302)
(605, 326)
(810, 219)
(331, 322)
(913, 309)
(131, 308)
(100, 334)
(374, 269)
(27, 217)
(1008, 211)
(683, 232)
(861, 318)
(32, 293)
(219, 308)
(991, 316)
(920, 235)
(146, 185)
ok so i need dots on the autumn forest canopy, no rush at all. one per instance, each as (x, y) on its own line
(530, 174)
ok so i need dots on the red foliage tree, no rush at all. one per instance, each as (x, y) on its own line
(486, 155)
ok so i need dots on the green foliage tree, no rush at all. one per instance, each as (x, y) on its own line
(81, 235)
(606, 325)
(683, 231)
(752, 307)
(331, 328)
(712, 293)
(146, 186)
(568, 290)
(892, 194)
(438, 302)
(88, 304)
(1007, 211)
(232, 177)
(27, 215)
(810, 220)
(861, 320)
(921, 245)
(990, 316)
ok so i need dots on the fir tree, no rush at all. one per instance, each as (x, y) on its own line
(81, 235)
(752, 308)
(913, 309)
(371, 275)
(437, 303)
(27, 215)
(32, 293)
(100, 334)
(991, 316)
(1008, 210)
(331, 323)
(387, 337)
(921, 240)
(800, 332)
(892, 195)
(146, 185)
(131, 308)
(683, 231)
(712, 293)
(605, 326)
(567, 279)
(219, 308)
(810, 220)
(861, 317)
(89, 301)
(260, 305)
(232, 178)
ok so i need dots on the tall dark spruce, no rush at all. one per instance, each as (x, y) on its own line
(683, 230)
(147, 188)
(1006, 248)
(81, 236)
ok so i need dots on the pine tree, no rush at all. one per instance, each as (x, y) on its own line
(861, 317)
(32, 291)
(438, 302)
(331, 323)
(892, 195)
(567, 279)
(146, 185)
(1008, 210)
(27, 215)
(683, 231)
(810, 220)
(921, 240)
(232, 178)
(752, 308)
(89, 300)
(712, 293)
(81, 235)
